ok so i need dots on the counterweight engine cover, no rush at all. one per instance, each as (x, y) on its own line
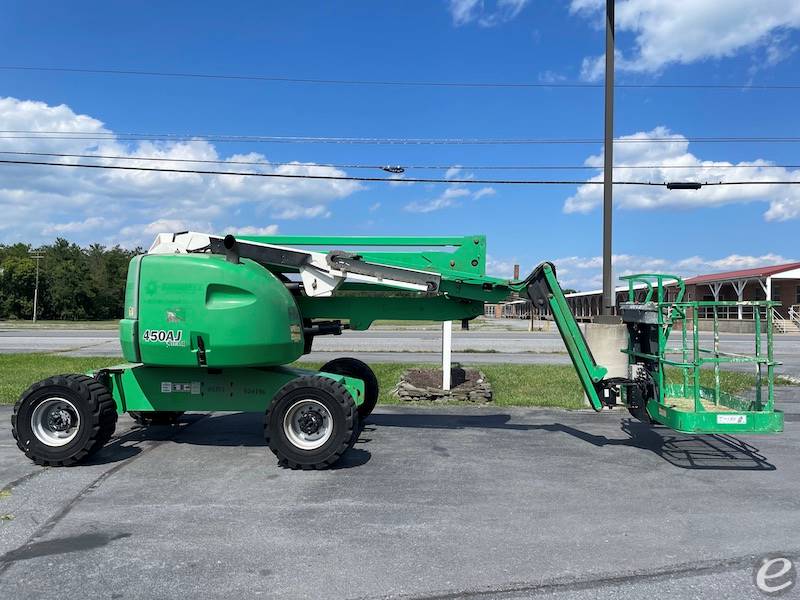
(202, 310)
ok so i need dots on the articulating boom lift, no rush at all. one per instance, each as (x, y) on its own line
(211, 322)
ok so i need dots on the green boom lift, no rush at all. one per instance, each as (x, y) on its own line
(212, 322)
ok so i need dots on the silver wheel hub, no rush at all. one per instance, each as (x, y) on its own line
(308, 424)
(55, 422)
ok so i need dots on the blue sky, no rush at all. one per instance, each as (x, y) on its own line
(694, 41)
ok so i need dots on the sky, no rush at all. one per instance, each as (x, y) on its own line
(742, 43)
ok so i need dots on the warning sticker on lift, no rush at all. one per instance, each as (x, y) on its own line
(731, 419)
(169, 387)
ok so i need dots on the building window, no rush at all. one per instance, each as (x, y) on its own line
(776, 292)
(797, 295)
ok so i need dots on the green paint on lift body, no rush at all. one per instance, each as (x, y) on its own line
(203, 332)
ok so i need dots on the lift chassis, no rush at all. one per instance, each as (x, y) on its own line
(211, 323)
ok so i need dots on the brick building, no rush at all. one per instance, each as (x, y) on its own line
(777, 282)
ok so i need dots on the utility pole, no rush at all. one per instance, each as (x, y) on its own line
(608, 167)
(37, 257)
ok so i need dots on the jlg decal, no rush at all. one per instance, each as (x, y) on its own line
(166, 336)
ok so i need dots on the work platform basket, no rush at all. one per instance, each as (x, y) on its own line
(684, 381)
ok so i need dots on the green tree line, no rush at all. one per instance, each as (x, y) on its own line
(74, 283)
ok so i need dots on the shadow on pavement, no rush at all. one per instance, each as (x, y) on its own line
(224, 430)
(712, 452)
(425, 420)
(129, 445)
(63, 545)
(707, 451)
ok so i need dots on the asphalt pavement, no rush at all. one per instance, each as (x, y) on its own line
(439, 502)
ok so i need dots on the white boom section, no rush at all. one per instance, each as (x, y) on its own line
(319, 278)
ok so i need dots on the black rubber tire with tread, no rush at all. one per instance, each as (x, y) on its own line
(352, 367)
(98, 413)
(335, 397)
(155, 417)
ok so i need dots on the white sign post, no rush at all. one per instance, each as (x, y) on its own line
(447, 345)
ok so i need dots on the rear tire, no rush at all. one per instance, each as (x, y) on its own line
(156, 417)
(61, 420)
(352, 367)
(310, 423)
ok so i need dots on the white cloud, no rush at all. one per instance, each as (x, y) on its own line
(457, 172)
(594, 67)
(87, 224)
(448, 199)
(551, 77)
(484, 191)
(398, 180)
(450, 196)
(503, 269)
(784, 201)
(252, 230)
(306, 212)
(452, 172)
(585, 272)
(464, 12)
(112, 206)
(143, 234)
(688, 31)
(374, 207)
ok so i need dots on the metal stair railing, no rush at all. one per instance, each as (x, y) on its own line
(784, 325)
(794, 314)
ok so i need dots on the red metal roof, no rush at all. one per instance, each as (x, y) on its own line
(743, 273)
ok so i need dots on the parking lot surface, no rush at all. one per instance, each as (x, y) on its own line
(433, 502)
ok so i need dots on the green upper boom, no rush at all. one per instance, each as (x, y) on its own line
(201, 307)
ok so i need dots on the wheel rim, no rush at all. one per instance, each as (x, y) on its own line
(308, 424)
(55, 422)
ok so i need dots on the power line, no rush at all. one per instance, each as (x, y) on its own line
(175, 137)
(323, 177)
(379, 167)
(384, 179)
(404, 83)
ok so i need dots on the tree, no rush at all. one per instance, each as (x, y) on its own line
(74, 283)
(17, 283)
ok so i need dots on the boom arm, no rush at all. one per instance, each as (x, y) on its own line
(321, 273)
(541, 287)
(448, 285)
(424, 284)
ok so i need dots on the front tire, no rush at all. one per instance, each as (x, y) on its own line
(352, 367)
(310, 423)
(61, 420)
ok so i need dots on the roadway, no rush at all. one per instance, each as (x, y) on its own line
(393, 345)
